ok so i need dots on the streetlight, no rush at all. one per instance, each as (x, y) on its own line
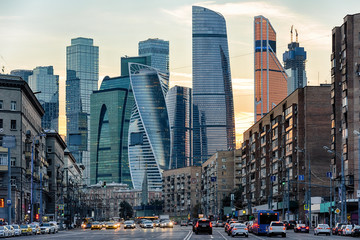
(358, 191)
(343, 194)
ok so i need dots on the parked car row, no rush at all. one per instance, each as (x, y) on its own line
(28, 229)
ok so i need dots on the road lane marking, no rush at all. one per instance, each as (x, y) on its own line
(258, 237)
(188, 236)
(222, 235)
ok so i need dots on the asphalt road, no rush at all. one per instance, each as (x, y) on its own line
(177, 233)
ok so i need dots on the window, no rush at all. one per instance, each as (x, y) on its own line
(13, 105)
(3, 159)
(223, 160)
(13, 125)
(2, 202)
(13, 162)
(1, 104)
(1, 123)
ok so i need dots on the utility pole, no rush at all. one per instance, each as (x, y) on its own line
(331, 200)
(309, 195)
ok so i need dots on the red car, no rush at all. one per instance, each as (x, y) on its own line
(301, 228)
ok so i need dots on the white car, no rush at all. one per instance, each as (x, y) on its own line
(322, 229)
(47, 228)
(55, 225)
(4, 232)
(347, 230)
(148, 224)
(276, 228)
(239, 229)
(17, 230)
(11, 230)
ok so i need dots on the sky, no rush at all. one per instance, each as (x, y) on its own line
(36, 33)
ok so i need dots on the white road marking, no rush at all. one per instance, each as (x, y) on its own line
(188, 236)
(222, 235)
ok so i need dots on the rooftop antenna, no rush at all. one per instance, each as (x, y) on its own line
(291, 32)
(296, 35)
(3, 69)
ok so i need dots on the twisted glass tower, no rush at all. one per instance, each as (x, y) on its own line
(149, 135)
(213, 109)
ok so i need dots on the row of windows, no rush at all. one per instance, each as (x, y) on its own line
(12, 124)
(12, 105)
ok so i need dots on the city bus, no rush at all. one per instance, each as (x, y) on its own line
(263, 218)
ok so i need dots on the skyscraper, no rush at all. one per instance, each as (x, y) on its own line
(24, 74)
(82, 73)
(270, 77)
(213, 109)
(46, 85)
(179, 104)
(158, 50)
(149, 133)
(110, 115)
(294, 63)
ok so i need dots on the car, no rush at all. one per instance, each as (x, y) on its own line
(203, 225)
(220, 223)
(55, 225)
(228, 224)
(17, 230)
(276, 228)
(230, 228)
(355, 232)
(183, 223)
(96, 225)
(112, 225)
(156, 223)
(86, 225)
(250, 226)
(239, 229)
(347, 230)
(129, 224)
(11, 230)
(341, 230)
(322, 229)
(4, 231)
(337, 228)
(147, 224)
(166, 224)
(190, 223)
(25, 229)
(35, 229)
(47, 228)
(301, 228)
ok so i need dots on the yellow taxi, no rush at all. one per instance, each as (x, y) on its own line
(112, 225)
(26, 229)
(96, 225)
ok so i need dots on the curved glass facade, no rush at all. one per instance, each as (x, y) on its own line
(149, 135)
(179, 103)
(213, 109)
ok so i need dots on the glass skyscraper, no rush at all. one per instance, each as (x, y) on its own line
(149, 133)
(110, 115)
(24, 74)
(179, 105)
(213, 109)
(158, 50)
(270, 77)
(82, 73)
(46, 84)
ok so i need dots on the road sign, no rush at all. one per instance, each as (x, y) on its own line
(61, 206)
(233, 209)
(301, 178)
(306, 207)
(273, 178)
(329, 174)
(306, 211)
(213, 179)
(8, 202)
(337, 211)
(9, 141)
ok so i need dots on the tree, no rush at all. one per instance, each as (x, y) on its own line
(196, 210)
(126, 210)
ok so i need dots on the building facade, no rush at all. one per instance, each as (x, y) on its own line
(149, 131)
(158, 50)
(46, 86)
(179, 105)
(270, 77)
(181, 191)
(20, 116)
(213, 109)
(24, 74)
(281, 150)
(345, 96)
(294, 65)
(82, 73)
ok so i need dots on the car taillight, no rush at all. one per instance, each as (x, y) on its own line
(245, 228)
(319, 228)
(210, 224)
(234, 228)
(270, 228)
(347, 229)
(284, 228)
(307, 227)
(197, 224)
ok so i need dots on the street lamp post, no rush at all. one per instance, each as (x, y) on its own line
(358, 191)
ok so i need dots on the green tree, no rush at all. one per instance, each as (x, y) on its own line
(126, 210)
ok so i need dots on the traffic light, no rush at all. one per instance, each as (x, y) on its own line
(37, 216)
(104, 184)
(283, 181)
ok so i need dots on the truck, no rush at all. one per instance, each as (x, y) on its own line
(164, 217)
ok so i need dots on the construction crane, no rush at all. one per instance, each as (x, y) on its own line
(296, 35)
(291, 32)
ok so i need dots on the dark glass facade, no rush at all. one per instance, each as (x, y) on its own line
(213, 109)
(82, 73)
(179, 105)
(24, 74)
(158, 50)
(149, 132)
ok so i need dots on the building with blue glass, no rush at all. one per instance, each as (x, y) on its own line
(82, 73)
(149, 131)
(158, 50)
(110, 116)
(23, 73)
(46, 86)
(294, 65)
(179, 105)
(213, 109)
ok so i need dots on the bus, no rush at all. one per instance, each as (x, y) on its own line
(263, 218)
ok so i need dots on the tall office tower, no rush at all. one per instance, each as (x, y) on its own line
(158, 50)
(345, 96)
(179, 104)
(82, 73)
(213, 108)
(294, 63)
(110, 115)
(46, 86)
(149, 131)
(270, 76)
(24, 74)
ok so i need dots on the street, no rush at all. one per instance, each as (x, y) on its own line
(177, 233)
